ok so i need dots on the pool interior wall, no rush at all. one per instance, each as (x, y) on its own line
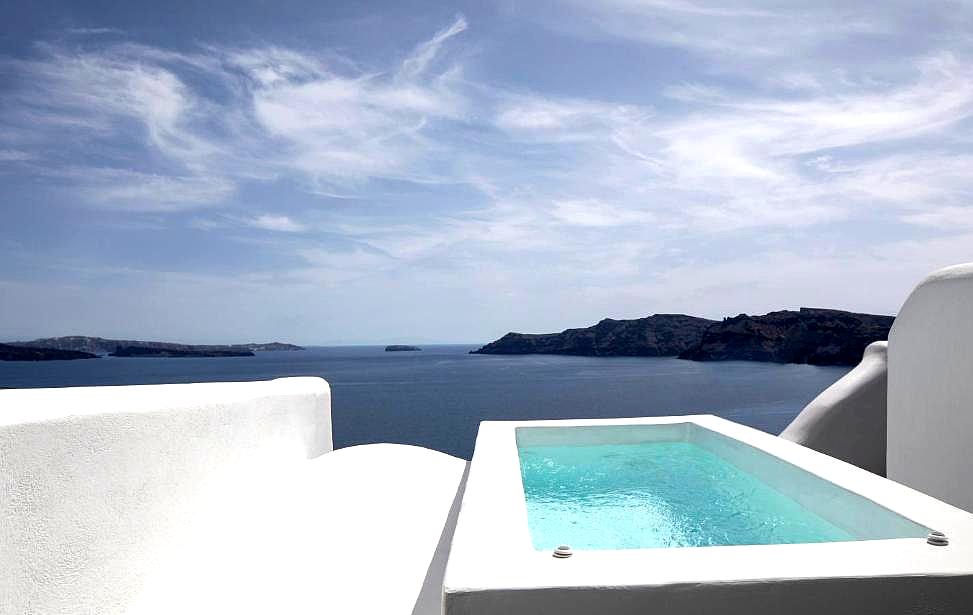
(584, 485)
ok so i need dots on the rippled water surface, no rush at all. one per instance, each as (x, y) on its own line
(656, 494)
(437, 397)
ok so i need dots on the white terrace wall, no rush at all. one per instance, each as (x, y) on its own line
(847, 420)
(930, 388)
(96, 482)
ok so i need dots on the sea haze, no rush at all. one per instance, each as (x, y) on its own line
(437, 397)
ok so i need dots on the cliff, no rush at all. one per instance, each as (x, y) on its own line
(19, 353)
(101, 345)
(811, 335)
(659, 335)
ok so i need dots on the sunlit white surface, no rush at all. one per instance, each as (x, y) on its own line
(493, 566)
(930, 394)
(212, 498)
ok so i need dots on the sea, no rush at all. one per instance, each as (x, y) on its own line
(437, 397)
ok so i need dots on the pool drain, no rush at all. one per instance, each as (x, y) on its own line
(937, 539)
(563, 551)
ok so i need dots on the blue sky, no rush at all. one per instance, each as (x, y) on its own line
(415, 171)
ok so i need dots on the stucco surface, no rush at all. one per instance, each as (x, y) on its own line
(211, 498)
(930, 389)
(352, 532)
(848, 419)
(95, 482)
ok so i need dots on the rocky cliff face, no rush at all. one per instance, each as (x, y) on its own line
(660, 335)
(811, 335)
(814, 336)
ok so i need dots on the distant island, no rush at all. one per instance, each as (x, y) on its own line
(18, 353)
(811, 335)
(90, 347)
(270, 347)
(401, 348)
(661, 335)
(144, 351)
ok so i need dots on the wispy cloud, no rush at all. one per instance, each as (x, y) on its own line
(766, 147)
(263, 112)
(950, 218)
(282, 224)
(12, 155)
(766, 31)
(597, 214)
(130, 190)
(727, 159)
(94, 31)
(417, 63)
(339, 130)
(102, 101)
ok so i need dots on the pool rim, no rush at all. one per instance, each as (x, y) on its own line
(492, 550)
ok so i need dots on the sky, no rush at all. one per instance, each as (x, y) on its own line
(418, 172)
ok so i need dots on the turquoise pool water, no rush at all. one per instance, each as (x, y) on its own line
(656, 494)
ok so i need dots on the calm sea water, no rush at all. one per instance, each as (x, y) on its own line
(437, 397)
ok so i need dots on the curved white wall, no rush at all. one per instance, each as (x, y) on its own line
(96, 482)
(848, 419)
(930, 389)
(353, 532)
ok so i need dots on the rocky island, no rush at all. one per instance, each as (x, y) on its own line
(20, 353)
(105, 346)
(401, 348)
(270, 347)
(810, 335)
(660, 335)
(146, 351)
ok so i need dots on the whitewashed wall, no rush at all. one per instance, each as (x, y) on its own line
(847, 420)
(97, 483)
(930, 388)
